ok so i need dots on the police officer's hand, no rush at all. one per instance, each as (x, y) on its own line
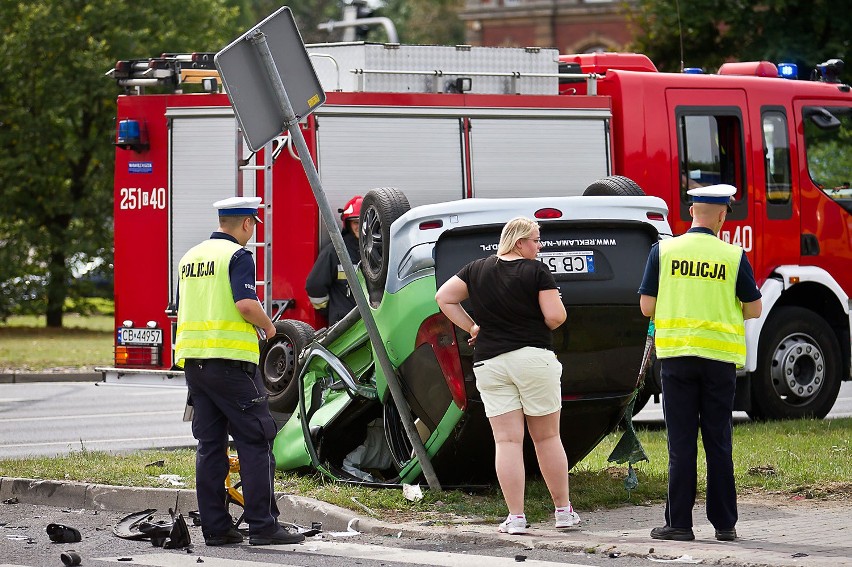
(270, 331)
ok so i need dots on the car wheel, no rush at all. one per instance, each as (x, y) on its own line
(614, 185)
(379, 209)
(279, 363)
(798, 370)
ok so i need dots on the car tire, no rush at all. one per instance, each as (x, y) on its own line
(614, 185)
(798, 369)
(379, 209)
(279, 363)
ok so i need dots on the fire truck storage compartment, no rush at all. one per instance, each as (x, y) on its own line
(548, 152)
(202, 171)
(421, 155)
(413, 68)
(548, 157)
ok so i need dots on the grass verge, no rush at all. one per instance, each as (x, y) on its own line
(807, 458)
(83, 342)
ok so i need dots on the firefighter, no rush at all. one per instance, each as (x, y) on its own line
(217, 346)
(699, 290)
(326, 285)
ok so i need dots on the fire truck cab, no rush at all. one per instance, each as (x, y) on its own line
(785, 145)
(447, 123)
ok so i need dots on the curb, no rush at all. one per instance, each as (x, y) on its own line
(295, 509)
(34, 377)
(611, 534)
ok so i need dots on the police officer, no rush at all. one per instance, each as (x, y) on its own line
(217, 346)
(699, 290)
(327, 287)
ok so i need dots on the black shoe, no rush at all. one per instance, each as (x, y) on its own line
(282, 536)
(668, 532)
(726, 535)
(233, 536)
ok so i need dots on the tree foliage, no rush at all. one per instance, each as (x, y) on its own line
(57, 111)
(805, 32)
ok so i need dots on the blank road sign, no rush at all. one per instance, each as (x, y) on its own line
(249, 86)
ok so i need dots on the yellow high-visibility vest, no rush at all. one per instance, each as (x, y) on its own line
(209, 323)
(697, 311)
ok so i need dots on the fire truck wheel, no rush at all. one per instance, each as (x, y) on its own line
(379, 209)
(279, 359)
(798, 370)
(614, 185)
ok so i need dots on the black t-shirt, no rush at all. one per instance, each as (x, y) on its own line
(504, 298)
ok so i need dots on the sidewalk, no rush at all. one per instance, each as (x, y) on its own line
(773, 530)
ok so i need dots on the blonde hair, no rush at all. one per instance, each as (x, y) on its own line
(514, 230)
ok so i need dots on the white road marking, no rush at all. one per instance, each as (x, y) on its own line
(350, 550)
(123, 415)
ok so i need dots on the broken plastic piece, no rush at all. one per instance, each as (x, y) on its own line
(350, 531)
(179, 535)
(63, 534)
(71, 557)
(128, 527)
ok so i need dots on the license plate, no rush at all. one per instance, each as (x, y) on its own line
(568, 262)
(133, 336)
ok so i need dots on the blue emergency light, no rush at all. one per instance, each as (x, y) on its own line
(788, 70)
(693, 71)
(131, 135)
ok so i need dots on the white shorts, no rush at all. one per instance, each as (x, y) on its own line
(528, 378)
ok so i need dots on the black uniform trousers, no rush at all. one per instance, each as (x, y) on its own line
(698, 392)
(229, 397)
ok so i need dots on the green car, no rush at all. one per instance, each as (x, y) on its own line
(344, 421)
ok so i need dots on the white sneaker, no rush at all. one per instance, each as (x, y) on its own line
(567, 518)
(513, 525)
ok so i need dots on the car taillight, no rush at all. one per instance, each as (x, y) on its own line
(439, 332)
(548, 213)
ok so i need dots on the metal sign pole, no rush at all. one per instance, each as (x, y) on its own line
(258, 41)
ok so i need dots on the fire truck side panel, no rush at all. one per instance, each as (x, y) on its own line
(295, 220)
(141, 226)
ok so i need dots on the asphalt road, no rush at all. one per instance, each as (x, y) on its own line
(59, 417)
(24, 543)
(653, 413)
(54, 418)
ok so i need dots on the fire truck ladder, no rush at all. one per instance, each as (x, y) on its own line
(273, 307)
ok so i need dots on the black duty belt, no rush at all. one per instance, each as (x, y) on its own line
(249, 367)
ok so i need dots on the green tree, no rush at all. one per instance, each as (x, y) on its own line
(57, 112)
(805, 32)
(433, 22)
(428, 22)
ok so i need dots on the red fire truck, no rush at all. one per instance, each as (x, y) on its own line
(444, 123)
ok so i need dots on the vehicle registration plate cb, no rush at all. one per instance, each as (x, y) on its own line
(569, 262)
(133, 336)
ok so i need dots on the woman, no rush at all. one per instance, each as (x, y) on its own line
(517, 305)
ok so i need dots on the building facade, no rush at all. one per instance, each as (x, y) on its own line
(571, 26)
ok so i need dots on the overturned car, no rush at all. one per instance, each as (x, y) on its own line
(343, 419)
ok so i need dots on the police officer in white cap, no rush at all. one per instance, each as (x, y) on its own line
(699, 290)
(217, 346)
